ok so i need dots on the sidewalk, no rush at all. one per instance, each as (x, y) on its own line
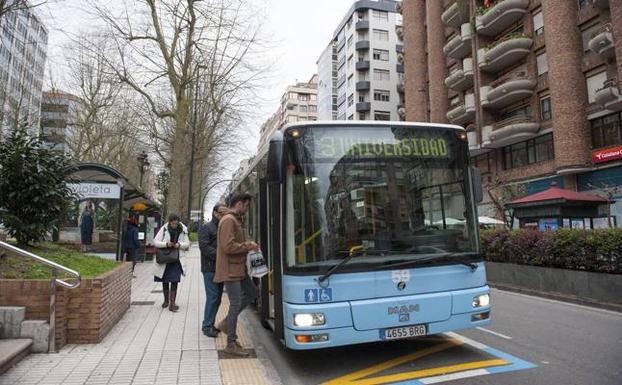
(150, 345)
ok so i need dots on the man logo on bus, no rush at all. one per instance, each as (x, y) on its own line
(404, 309)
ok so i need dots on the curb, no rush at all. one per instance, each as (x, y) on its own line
(558, 297)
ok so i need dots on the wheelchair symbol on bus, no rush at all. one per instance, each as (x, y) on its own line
(326, 295)
(318, 295)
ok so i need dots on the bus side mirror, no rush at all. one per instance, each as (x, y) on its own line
(276, 151)
(478, 191)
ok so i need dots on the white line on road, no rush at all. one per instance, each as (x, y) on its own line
(494, 333)
(454, 376)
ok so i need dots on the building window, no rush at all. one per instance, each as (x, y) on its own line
(303, 108)
(362, 116)
(584, 3)
(382, 95)
(454, 101)
(350, 41)
(587, 35)
(350, 61)
(380, 15)
(361, 98)
(303, 97)
(312, 108)
(382, 115)
(528, 152)
(382, 75)
(606, 131)
(381, 54)
(538, 24)
(482, 162)
(542, 63)
(545, 108)
(381, 35)
(350, 100)
(595, 82)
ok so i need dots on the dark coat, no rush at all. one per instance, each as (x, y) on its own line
(208, 241)
(86, 228)
(130, 240)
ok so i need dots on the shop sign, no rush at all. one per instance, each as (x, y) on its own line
(96, 190)
(607, 155)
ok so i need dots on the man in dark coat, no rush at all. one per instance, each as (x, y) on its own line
(208, 234)
(131, 244)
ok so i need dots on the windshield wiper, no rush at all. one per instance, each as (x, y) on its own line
(353, 252)
(453, 257)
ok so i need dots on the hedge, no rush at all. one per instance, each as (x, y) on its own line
(588, 250)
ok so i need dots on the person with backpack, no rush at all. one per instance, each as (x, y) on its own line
(173, 236)
(208, 240)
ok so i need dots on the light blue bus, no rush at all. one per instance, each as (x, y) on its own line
(369, 230)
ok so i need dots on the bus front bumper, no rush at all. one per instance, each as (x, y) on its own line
(326, 338)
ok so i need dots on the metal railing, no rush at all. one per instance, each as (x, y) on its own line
(53, 282)
(518, 118)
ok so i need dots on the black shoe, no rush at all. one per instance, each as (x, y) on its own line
(210, 332)
(215, 328)
(165, 304)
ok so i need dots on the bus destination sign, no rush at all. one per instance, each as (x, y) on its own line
(381, 147)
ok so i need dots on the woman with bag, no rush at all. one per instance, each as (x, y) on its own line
(171, 242)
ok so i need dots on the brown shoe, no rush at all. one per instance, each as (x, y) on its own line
(236, 350)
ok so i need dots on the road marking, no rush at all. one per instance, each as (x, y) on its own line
(430, 372)
(466, 340)
(494, 333)
(454, 376)
(352, 377)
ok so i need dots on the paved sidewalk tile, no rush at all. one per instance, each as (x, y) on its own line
(149, 345)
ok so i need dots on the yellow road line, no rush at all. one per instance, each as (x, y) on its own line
(430, 372)
(353, 377)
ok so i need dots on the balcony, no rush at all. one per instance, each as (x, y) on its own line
(362, 45)
(461, 79)
(362, 65)
(401, 111)
(400, 87)
(512, 130)
(500, 16)
(363, 85)
(399, 31)
(602, 43)
(507, 91)
(460, 45)
(362, 25)
(609, 96)
(456, 14)
(463, 113)
(399, 48)
(475, 147)
(363, 106)
(399, 67)
(504, 53)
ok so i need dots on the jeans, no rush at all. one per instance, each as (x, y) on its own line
(241, 294)
(213, 295)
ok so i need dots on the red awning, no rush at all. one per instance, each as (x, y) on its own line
(555, 194)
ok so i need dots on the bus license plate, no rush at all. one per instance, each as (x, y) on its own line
(403, 332)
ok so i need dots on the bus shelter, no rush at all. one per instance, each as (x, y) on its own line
(560, 208)
(112, 198)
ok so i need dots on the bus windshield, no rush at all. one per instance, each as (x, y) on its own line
(393, 194)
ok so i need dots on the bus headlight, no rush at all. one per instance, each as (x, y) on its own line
(309, 319)
(481, 300)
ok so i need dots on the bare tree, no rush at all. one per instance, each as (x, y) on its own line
(166, 48)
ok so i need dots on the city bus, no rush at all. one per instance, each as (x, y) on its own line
(369, 231)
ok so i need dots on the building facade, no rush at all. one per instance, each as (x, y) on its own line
(58, 112)
(361, 71)
(535, 82)
(23, 50)
(299, 103)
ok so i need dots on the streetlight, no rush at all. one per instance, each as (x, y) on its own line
(194, 130)
(142, 163)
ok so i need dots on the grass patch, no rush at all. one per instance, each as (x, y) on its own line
(18, 267)
(194, 237)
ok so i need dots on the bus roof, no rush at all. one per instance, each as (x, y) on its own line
(367, 123)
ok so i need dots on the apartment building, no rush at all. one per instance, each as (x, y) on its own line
(299, 103)
(361, 69)
(23, 50)
(535, 82)
(58, 111)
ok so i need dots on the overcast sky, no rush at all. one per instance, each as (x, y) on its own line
(298, 29)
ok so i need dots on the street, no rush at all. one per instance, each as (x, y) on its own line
(550, 343)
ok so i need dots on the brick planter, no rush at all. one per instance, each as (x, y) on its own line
(83, 315)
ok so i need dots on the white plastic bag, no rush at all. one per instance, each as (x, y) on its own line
(256, 264)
